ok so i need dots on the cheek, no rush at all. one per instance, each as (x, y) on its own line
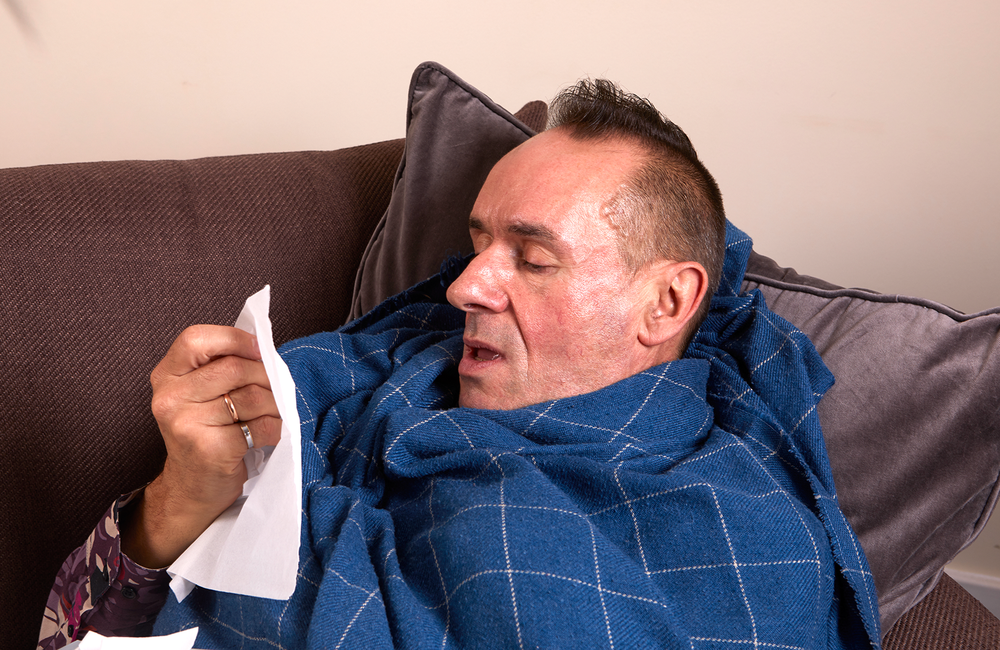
(551, 331)
(600, 306)
(573, 324)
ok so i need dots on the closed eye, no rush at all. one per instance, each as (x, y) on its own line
(534, 268)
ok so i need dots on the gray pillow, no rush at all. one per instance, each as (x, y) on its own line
(454, 136)
(911, 424)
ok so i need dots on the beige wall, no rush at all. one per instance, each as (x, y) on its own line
(856, 141)
(853, 141)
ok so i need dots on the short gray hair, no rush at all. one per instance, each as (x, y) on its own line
(671, 207)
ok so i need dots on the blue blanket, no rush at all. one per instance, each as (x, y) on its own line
(690, 506)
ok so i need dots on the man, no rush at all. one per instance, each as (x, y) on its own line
(597, 243)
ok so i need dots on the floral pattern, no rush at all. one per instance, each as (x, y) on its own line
(100, 589)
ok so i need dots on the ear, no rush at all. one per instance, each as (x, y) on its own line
(673, 292)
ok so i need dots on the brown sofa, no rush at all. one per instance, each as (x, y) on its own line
(105, 263)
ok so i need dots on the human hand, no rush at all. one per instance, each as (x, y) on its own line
(204, 471)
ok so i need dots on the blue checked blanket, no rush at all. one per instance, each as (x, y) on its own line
(690, 506)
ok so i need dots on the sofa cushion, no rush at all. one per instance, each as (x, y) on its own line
(454, 136)
(948, 618)
(104, 264)
(910, 424)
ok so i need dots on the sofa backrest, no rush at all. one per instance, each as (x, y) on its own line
(104, 264)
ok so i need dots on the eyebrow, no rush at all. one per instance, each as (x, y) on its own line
(521, 229)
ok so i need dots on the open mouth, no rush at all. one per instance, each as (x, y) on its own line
(483, 354)
(479, 360)
(479, 352)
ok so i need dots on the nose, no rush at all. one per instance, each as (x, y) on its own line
(480, 286)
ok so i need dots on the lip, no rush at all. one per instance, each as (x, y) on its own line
(478, 356)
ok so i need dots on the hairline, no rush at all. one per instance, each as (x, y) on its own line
(648, 160)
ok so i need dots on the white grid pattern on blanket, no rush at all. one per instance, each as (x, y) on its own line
(736, 565)
(624, 446)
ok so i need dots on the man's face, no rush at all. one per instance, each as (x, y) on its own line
(551, 310)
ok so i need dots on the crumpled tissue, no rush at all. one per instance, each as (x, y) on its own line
(253, 547)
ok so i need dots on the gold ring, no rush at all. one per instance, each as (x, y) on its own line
(232, 408)
(246, 434)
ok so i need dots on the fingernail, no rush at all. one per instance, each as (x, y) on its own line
(256, 347)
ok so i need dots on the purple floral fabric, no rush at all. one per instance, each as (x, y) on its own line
(100, 589)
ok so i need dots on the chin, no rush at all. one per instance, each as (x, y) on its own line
(474, 396)
(476, 400)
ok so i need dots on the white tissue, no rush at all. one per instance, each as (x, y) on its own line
(179, 641)
(253, 547)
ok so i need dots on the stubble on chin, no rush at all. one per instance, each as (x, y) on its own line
(474, 394)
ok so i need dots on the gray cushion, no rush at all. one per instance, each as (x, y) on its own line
(454, 136)
(911, 424)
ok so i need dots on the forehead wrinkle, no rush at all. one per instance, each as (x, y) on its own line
(532, 230)
(521, 229)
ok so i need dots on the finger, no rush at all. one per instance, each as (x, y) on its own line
(198, 345)
(265, 431)
(250, 403)
(223, 375)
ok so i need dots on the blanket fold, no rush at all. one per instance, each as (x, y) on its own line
(688, 506)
